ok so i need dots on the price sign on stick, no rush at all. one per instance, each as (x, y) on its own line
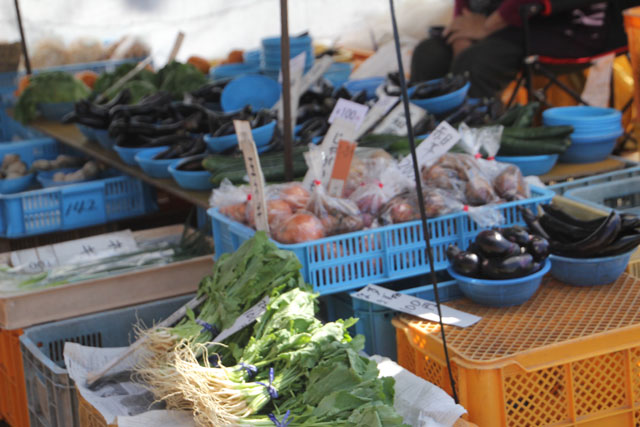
(441, 140)
(341, 166)
(256, 179)
(419, 307)
(349, 111)
(247, 318)
(395, 122)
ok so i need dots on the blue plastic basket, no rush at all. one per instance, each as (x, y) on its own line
(579, 116)
(590, 149)
(74, 206)
(45, 178)
(152, 167)
(128, 154)
(531, 165)
(348, 261)
(589, 271)
(103, 138)
(631, 169)
(191, 180)
(32, 149)
(51, 392)
(500, 293)
(622, 195)
(262, 136)
(369, 85)
(443, 103)
(228, 71)
(16, 185)
(252, 89)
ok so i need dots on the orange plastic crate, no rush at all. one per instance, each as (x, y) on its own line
(13, 395)
(570, 356)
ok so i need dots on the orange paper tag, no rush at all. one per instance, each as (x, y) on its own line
(341, 166)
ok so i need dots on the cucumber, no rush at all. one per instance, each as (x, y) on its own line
(526, 115)
(509, 116)
(271, 173)
(528, 147)
(538, 133)
(383, 141)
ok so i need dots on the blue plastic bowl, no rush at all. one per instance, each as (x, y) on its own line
(338, 73)
(582, 115)
(589, 271)
(294, 42)
(500, 293)
(369, 85)
(253, 89)
(443, 103)
(87, 131)
(531, 165)
(103, 138)
(590, 149)
(190, 180)
(261, 135)
(55, 111)
(228, 71)
(16, 185)
(128, 154)
(252, 57)
(152, 167)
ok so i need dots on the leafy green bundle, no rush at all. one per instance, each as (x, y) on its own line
(294, 368)
(106, 80)
(178, 78)
(48, 87)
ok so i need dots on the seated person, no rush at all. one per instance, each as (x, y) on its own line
(485, 38)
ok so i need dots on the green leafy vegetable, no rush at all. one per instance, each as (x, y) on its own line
(177, 78)
(48, 87)
(106, 80)
(139, 89)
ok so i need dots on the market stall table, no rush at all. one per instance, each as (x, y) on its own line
(71, 136)
(564, 171)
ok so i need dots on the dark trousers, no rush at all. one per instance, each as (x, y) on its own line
(491, 62)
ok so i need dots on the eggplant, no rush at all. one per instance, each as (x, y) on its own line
(494, 244)
(593, 244)
(466, 263)
(532, 222)
(629, 221)
(508, 268)
(565, 217)
(621, 245)
(538, 247)
(193, 165)
(452, 251)
(562, 231)
(517, 234)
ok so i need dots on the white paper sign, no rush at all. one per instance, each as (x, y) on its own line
(349, 111)
(44, 258)
(377, 112)
(340, 129)
(245, 319)
(296, 67)
(441, 140)
(418, 307)
(396, 124)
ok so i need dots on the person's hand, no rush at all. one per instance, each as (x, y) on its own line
(468, 25)
(460, 45)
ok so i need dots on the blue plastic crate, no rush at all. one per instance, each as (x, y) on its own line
(622, 195)
(631, 169)
(349, 261)
(50, 392)
(32, 149)
(74, 206)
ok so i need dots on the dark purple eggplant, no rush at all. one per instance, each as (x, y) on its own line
(593, 244)
(561, 230)
(629, 221)
(466, 263)
(516, 234)
(538, 247)
(621, 245)
(508, 268)
(565, 217)
(493, 244)
(452, 251)
(532, 222)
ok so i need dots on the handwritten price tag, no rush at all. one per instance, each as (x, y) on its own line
(349, 111)
(418, 307)
(341, 166)
(256, 178)
(395, 122)
(377, 113)
(245, 319)
(441, 140)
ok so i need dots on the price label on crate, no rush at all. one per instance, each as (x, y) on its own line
(247, 318)
(441, 140)
(418, 307)
(256, 178)
(349, 111)
(44, 258)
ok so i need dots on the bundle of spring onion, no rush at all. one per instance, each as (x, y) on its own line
(294, 371)
(149, 254)
(239, 280)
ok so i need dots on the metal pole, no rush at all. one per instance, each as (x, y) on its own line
(287, 130)
(416, 172)
(27, 63)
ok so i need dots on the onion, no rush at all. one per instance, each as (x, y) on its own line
(277, 211)
(298, 228)
(236, 212)
(296, 196)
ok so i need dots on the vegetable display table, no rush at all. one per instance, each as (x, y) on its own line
(569, 356)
